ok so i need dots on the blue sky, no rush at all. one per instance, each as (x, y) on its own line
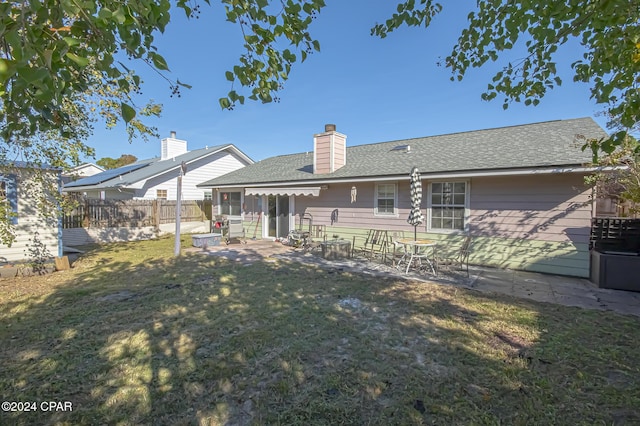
(373, 89)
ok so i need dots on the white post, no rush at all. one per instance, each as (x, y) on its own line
(183, 171)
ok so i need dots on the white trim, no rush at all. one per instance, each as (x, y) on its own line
(395, 201)
(467, 208)
(292, 215)
(427, 176)
(312, 191)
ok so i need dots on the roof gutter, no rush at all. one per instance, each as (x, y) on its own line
(430, 176)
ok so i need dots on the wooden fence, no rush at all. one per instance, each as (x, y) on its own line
(134, 213)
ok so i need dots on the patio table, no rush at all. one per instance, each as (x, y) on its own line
(417, 251)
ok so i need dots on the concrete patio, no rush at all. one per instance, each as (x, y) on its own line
(568, 291)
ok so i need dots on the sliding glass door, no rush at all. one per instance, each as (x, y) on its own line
(278, 216)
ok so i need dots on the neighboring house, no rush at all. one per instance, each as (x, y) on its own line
(23, 193)
(519, 191)
(156, 178)
(81, 171)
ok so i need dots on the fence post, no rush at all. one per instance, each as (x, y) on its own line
(156, 213)
(86, 222)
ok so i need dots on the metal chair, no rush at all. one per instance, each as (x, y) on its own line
(301, 237)
(235, 230)
(375, 244)
(460, 258)
(396, 250)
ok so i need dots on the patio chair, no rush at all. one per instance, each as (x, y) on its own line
(235, 230)
(301, 237)
(395, 249)
(460, 258)
(319, 232)
(375, 244)
(318, 236)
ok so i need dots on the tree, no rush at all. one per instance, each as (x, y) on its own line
(61, 60)
(62, 66)
(114, 163)
(620, 176)
(607, 30)
(51, 51)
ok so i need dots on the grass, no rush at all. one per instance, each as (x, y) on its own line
(132, 335)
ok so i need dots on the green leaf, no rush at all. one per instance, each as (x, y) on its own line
(179, 83)
(71, 41)
(229, 75)
(128, 113)
(105, 14)
(83, 62)
(158, 61)
(32, 75)
(47, 55)
(7, 69)
(224, 103)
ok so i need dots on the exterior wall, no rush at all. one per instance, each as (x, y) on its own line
(81, 236)
(111, 194)
(29, 221)
(197, 172)
(536, 222)
(334, 208)
(88, 169)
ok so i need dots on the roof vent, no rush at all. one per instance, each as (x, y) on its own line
(405, 148)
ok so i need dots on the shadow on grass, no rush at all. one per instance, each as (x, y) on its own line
(135, 337)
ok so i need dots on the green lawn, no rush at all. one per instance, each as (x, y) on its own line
(132, 335)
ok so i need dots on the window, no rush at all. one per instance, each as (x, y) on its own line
(385, 203)
(161, 194)
(207, 196)
(448, 205)
(231, 203)
(9, 196)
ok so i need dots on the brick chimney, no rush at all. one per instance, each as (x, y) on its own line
(329, 150)
(172, 147)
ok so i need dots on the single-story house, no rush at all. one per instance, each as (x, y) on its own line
(22, 191)
(519, 191)
(156, 178)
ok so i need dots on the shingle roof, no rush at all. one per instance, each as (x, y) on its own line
(547, 144)
(130, 174)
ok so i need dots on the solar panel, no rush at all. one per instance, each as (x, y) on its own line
(108, 174)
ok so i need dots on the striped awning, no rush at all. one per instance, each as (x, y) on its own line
(311, 191)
